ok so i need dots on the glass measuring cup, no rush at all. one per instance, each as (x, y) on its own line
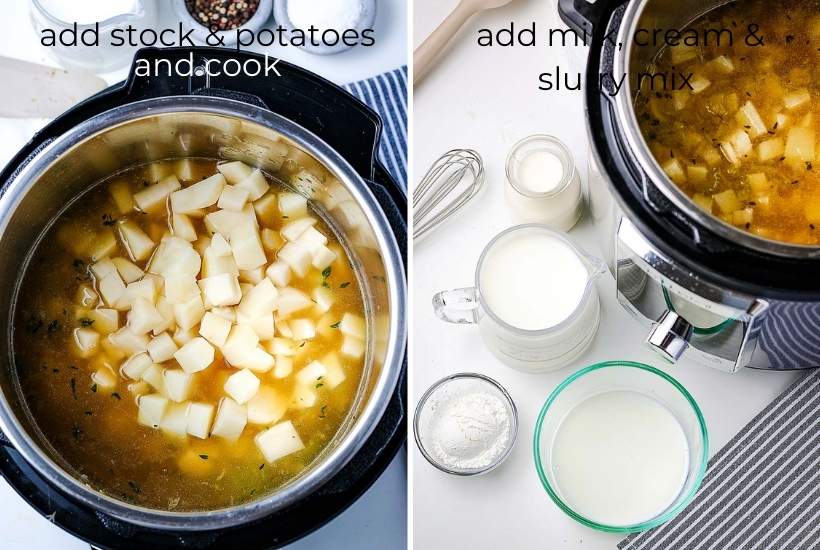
(540, 350)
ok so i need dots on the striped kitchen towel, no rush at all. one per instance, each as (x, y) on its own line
(387, 95)
(761, 491)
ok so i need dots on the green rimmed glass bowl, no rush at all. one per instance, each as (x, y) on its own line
(624, 376)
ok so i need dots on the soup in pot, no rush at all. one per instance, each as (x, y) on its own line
(189, 335)
(741, 139)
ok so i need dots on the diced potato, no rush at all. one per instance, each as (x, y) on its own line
(279, 272)
(771, 149)
(292, 300)
(136, 365)
(283, 329)
(266, 407)
(181, 288)
(102, 245)
(213, 264)
(721, 64)
(699, 83)
(162, 348)
(143, 317)
(297, 257)
(104, 378)
(111, 288)
(266, 208)
(152, 199)
(197, 355)
(679, 99)
(104, 321)
(303, 398)
(86, 342)
(155, 376)
(200, 416)
(281, 347)
(231, 419)
(292, 205)
(682, 53)
(258, 360)
(694, 173)
(353, 325)
(324, 257)
(178, 384)
(271, 240)
(303, 329)
(312, 240)
(175, 256)
(240, 344)
(283, 366)
(334, 374)
(224, 221)
(233, 198)
(323, 298)
(255, 184)
(220, 245)
(136, 242)
(311, 374)
(234, 172)
(103, 267)
(175, 420)
(797, 99)
(758, 182)
(260, 300)
(242, 386)
(188, 314)
(741, 142)
(184, 169)
(352, 347)
(199, 195)
(215, 329)
(710, 155)
(145, 289)
(166, 309)
(247, 246)
(279, 441)
(129, 272)
(111, 351)
(151, 410)
(121, 193)
(129, 343)
(221, 290)
(86, 296)
(291, 231)
(252, 276)
(743, 217)
(183, 227)
(750, 118)
(228, 313)
(138, 388)
(263, 325)
(800, 145)
(727, 201)
(182, 337)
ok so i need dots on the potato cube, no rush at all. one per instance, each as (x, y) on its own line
(323, 257)
(353, 325)
(183, 227)
(86, 342)
(279, 441)
(303, 398)
(699, 83)
(162, 348)
(742, 217)
(102, 268)
(215, 329)
(281, 346)
(750, 118)
(258, 360)
(291, 231)
(136, 365)
(111, 288)
(291, 300)
(121, 193)
(200, 416)
(199, 195)
(182, 337)
(213, 265)
(224, 221)
(311, 374)
(181, 288)
(178, 384)
(247, 246)
(283, 329)
(283, 366)
(175, 256)
(221, 290)
(220, 245)
(234, 172)
(352, 347)
(681, 53)
(260, 300)
(297, 257)
(154, 375)
(175, 420)
(146, 288)
(303, 329)
(240, 344)
(271, 240)
(252, 276)
(266, 407)
(758, 182)
(152, 199)
(312, 240)
(127, 342)
(138, 388)
(143, 317)
(694, 173)
(797, 99)
(129, 272)
(103, 320)
(188, 314)
(292, 205)
(771, 149)
(721, 64)
(335, 374)
(266, 208)
(231, 418)
(166, 309)
(151, 410)
(741, 142)
(727, 201)
(195, 356)
(228, 313)
(233, 198)
(102, 245)
(279, 272)
(255, 184)
(242, 386)
(800, 145)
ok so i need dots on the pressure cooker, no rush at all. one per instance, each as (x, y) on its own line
(704, 289)
(295, 117)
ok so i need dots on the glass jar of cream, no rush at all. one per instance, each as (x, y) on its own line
(543, 185)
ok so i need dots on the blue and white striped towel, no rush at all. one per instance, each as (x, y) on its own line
(762, 490)
(387, 95)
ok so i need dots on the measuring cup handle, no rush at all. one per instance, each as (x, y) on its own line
(458, 306)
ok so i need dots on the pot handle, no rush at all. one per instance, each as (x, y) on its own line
(344, 122)
(583, 16)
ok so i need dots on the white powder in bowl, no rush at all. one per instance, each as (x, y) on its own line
(467, 425)
(326, 14)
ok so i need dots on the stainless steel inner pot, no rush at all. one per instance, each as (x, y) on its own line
(209, 127)
(633, 59)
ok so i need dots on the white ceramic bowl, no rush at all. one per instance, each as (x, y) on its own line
(201, 32)
(280, 14)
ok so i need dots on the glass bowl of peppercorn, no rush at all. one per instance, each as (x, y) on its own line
(215, 22)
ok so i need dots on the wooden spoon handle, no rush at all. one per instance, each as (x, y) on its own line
(426, 54)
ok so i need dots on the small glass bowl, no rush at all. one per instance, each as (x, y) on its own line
(461, 382)
(631, 376)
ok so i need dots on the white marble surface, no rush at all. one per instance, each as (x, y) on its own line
(487, 98)
(378, 520)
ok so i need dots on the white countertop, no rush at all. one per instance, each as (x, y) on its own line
(487, 98)
(378, 519)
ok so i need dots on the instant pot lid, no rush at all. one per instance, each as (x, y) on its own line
(715, 256)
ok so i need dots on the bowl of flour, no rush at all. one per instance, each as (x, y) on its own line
(466, 424)
(331, 18)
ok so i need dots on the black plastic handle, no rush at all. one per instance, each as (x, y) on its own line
(583, 16)
(344, 122)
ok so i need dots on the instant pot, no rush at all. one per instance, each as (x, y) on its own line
(295, 118)
(723, 297)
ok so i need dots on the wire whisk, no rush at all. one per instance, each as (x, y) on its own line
(455, 178)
